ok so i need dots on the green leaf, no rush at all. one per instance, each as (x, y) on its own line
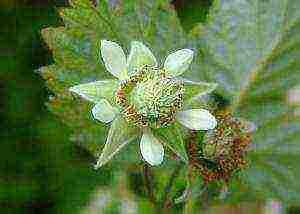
(120, 134)
(173, 139)
(155, 23)
(197, 89)
(96, 91)
(251, 48)
(73, 49)
(274, 176)
(242, 39)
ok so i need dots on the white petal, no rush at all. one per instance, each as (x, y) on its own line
(197, 119)
(151, 149)
(139, 56)
(178, 62)
(114, 59)
(104, 112)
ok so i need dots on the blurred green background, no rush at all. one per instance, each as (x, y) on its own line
(41, 171)
(39, 167)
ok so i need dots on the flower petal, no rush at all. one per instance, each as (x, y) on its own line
(151, 149)
(120, 134)
(178, 62)
(104, 112)
(197, 119)
(96, 91)
(114, 59)
(139, 56)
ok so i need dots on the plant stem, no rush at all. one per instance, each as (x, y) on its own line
(205, 200)
(166, 202)
(148, 183)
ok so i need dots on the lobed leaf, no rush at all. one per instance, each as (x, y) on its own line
(251, 48)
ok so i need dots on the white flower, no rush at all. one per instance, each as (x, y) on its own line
(144, 97)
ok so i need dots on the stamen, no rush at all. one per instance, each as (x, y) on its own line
(149, 98)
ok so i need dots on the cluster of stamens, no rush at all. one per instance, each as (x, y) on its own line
(222, 151)
(149, 98)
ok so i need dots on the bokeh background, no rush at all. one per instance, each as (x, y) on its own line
(41, 171)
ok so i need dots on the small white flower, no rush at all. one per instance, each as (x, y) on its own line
(144, 97)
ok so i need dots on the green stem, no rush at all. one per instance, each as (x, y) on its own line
(205, 199)
(166, 201)
(148, 183)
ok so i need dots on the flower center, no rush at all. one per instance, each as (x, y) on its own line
(149, 98)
